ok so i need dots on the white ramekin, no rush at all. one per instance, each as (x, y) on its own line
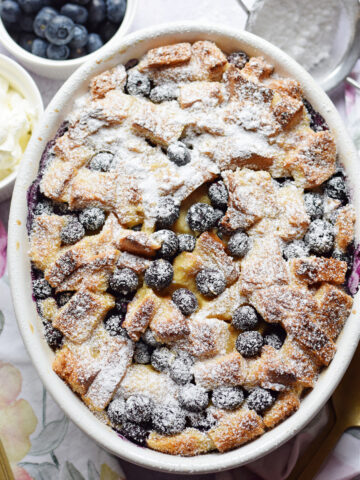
(62, 69)
(21, 80)
(134, 46)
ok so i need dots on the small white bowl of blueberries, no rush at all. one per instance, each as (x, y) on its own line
(53, 38)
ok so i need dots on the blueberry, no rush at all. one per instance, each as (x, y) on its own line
(131, 63)
(218, 215)
(239, 244)
(26, 23)
(336, 188)
(167, 212)
(77, 52)
(180, 371)
(80, 37)
(218, 195)
(134, 432)
(239, 59)
(200, 217)
(53, 336)
(26, 41)
(245, 318)
(116, 10)
(63, 298)
(249, 344)
(10, 11)
(45, 206)
(81, 2)
(142, 353)
(320, 237)
(296, 249)
(39, 47)
(186, 242)
(41, 288)
(42, 20)
(210, 282)
(193, 398)
(149, 338)
(202, 420)
(72, 232)
(107, 30)
(342, 256)
(77, 13)
(101, 161)
(161, 359)
(60, 30)
(314, 205)
(317, 121)
(138, 83)
(274, 340)
(94, 42)
(178, 153)
(185, 300)
(228, 398)
(30, 6)
(124, 281)
(260, 400)
(116, 411)
(168, 419)
(138, 408)
(58, 52)
(113, 325)
(159, 275)
(164, 93)
(169, 243)
(97, 11)
(92, 218)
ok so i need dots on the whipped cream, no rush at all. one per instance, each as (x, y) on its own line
(16, 124)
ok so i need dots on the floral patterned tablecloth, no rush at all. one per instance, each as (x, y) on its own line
(41, 443)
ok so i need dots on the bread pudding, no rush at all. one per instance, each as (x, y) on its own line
(191, 234)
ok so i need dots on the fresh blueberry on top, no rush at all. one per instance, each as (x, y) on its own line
(218, 195)
(10, 11)
(164, 93)
(320, 237)
(228, 398)
(185, 300)
(81, 2)
(181, 371)
(239, 244)
(116, 411)
(60, 30)
(274, 340)
(133, 431)
(26, 23)
(92, 218)
(96, 11)
(94, 42)
(296, 249)
(53, 336)
(77, 13)
(314, 205)
(245, 318)
(123, 281)
(169, 243)
(138, 83)
(113, 325)
(178, 153)
(80, 37)
(201, 217)
(26, 41)
(249, 344)
(186, 242)
(260, 400)
(193, 398)
(168, 419)
(101, 161)
(142, 353)
(116, 10)
(39, 47)
(72, 232)
(167, 212)
(58, 52)
(138, 408)
(210, 282)
(42, 20)
(239, 59)
(149, 338)
(159, 275)
(336, 188)
(161, 359)
(41, 288)
(30, 6)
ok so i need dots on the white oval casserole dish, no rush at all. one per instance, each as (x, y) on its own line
(134, 46)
